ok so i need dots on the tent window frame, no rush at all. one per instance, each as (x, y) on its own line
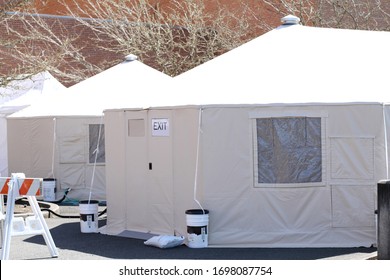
(321, 182)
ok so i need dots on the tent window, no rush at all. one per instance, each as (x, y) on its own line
(288, 150)
(136, 127)
(97, 144)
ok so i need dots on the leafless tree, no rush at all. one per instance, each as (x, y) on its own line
(172, 39)
(95, 34)
(349, 14)
(36, 43)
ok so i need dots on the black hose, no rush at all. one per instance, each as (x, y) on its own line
(62, 199)
(58, 215)
(70, 216)
(25, 202)
(103, 212)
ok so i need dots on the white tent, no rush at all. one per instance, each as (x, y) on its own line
(283, 140)
(66, 135)
(19, 95)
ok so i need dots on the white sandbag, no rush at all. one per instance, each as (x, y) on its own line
(165, 241)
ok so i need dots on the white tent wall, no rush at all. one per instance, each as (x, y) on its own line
(57, 147)
(72, 113)
(336, 212)
(115, 127)
(143, 171)
(386, 113)
(75, 166)
(17, 96)
(320, 86)
(30, 146)
(3, 148)
(186, 134)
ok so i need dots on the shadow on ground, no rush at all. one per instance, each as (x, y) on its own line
(68, 236)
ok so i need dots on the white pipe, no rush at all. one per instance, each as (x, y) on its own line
(197, 159)
(96, 152)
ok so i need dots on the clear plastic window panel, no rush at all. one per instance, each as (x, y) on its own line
(97, 143)
(289, 150)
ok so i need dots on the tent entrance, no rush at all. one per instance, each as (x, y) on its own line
(149, 171)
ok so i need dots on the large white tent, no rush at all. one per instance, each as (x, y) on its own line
(282, 139)
(18, 95)
(66, 134)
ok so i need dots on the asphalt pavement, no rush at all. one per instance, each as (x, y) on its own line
(72, 244)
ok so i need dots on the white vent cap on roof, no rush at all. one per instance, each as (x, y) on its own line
(290, 20)
(131, 57)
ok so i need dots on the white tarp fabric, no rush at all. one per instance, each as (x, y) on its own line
(295, 64)
(64, 131)
(129, 82)
(329, 81)
(19, 95)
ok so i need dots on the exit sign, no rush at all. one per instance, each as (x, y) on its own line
(160, 127)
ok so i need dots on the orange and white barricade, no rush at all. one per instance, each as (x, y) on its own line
(15, 186)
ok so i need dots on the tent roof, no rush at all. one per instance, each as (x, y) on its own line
(121, 84)
(290, 64)
(23, 93)
(296, 64)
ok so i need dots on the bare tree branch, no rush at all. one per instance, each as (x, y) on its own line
(351, 14)
(172, 37)
(172, 40)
